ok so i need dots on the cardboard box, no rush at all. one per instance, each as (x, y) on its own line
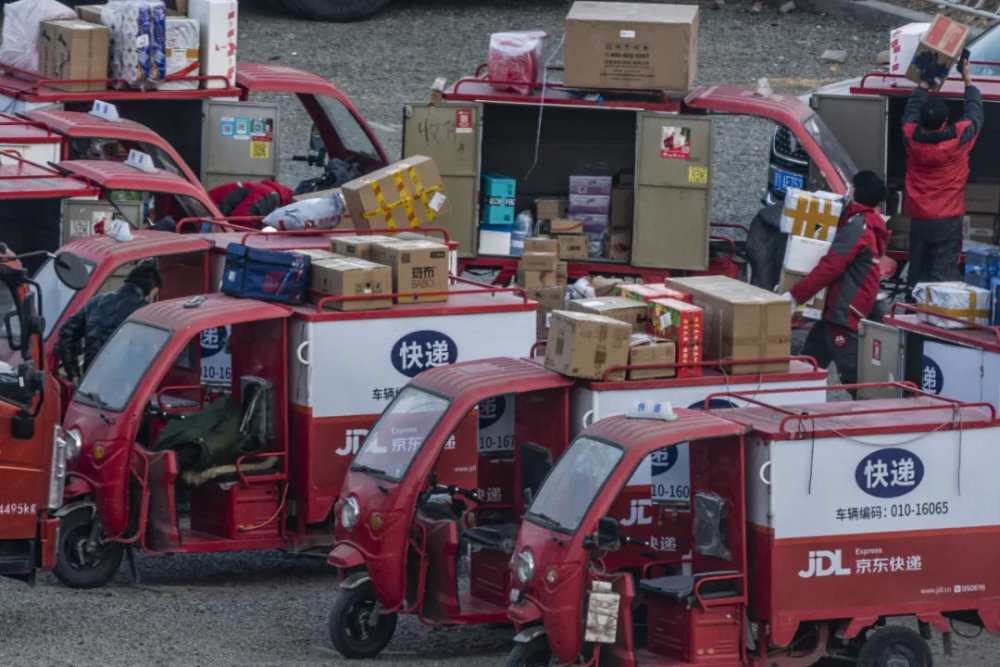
(539, 261)
(622, 205)
(802, 254)
(589, 205)
(648, 292)
(584, 345)
(619, 245)
(678, 321)
(945, 39)
(183, 53)
(74, 49)
(565, 226)
(812, 214)
(645, 349)
(631, 45)
(616, 307)
(980, 227)
(740, 322)
(351, 277)
(899, 232)
(813, 308)
(561, 272)
(604, 286)
(361, 246)
(549, 299)
(903, 44)
(316, 255)
(982, 198)
(218, 28)
(959, 301)
(90, 13)
(417, 268)
(573, 246)
(582, 184)
(539, 244)
(550, 208)
(493, 242)
(536, 279)
(404, 194)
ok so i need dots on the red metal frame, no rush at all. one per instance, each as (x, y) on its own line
(973, 335)
(884, 83)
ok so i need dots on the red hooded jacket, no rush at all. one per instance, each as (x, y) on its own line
(245, 198)
(850, 268)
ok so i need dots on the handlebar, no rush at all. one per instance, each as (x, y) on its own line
(455, 490)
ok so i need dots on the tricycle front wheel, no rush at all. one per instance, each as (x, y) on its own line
(535, 653)
(354, 631)
(79, 563)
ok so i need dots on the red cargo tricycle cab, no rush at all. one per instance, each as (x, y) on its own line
(812, 525)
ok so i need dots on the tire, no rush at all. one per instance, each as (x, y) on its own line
(895, 646)
(78, 570)
(338, 11)
(349, 630)
(535, 653)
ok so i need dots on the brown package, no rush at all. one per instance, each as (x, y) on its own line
(539, 244)
(539, 261)
(549, 299)
(535, 279)
(73, 49)
(565, 226)
(633, 313)
(573, 246)
(351, 277)
(740, 322)
(404, 194)
(815, 305)
(361, 246)
(646, 349)
(584, 345)
(945, 39)
(550, 208)
(417, 269)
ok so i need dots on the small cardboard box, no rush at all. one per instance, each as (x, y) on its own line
(945, 39)
(417, 268)
(980, 227)
(404, 194)
(539, 261)
(982, 198)
(573, 246)
(679, 321)
(619, 244)
(813, 308)
(646, 349)
(351, 277)
(90, 13)
(583, 184)
(539, 244)
(549, 299)
(550, 208)
(584, 345)
(617, 307)
(536, 279)
(740, 322)
(73, 49)
(648, 292)
(622, 204)
(589, 205)
(630, 45)
(316, 255)
(494, 242)
(361, 246)
(565, 226)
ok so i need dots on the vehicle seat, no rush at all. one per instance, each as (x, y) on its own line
(680, 587)
(498, 537)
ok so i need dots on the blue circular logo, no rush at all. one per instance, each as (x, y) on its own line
(931, 376)
(420, 350)
(889, 473)
(713, 404)
(663, 460)
(213, 341)
(491, 411)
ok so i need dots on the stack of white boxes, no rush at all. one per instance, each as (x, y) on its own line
(810, 219)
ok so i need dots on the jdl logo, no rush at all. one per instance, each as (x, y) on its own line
(637, 513)
(353, 437)
(825, 564)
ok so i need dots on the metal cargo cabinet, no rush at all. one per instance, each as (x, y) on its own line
(542, 141)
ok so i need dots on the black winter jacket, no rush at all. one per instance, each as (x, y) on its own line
(94, 324)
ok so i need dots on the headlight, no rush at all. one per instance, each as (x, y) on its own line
(524, 568)
(350, 512)
(74, 443)
(57, 471)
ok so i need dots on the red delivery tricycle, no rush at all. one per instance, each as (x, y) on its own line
(812, 526)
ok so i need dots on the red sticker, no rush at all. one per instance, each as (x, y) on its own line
(463, 120)
(876, 350)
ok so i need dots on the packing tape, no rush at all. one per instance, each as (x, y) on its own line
(810, 217)
(406, 199)
(970, 314)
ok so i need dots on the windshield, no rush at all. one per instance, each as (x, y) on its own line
(55, 294)
(573, 484)
(986, 48)
(120, 365)
(824, 136)
(351, 134)
(399, 433)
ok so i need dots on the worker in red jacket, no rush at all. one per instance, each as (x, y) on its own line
(850, 272)
(937, 168)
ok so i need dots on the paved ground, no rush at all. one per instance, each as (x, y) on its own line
(270, 609)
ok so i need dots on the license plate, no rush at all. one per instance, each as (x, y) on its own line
(784, 180)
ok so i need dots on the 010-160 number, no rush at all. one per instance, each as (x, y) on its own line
(919, 509)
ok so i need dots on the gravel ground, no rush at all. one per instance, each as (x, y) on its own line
(270, 608)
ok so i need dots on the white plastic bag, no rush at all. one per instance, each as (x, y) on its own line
(20, 30)
(317, 213)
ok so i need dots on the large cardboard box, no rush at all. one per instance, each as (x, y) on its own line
(631, 45)
(404, 194)
(646, 349)
(539, 261)
(362, 245)
(626, 310)
(316, 255)
(982, 198)
(351, 277)
(945, 39)
(740, 322)
(217, 21)
(73, 49)
(549, 299)
(584, 345)
(417, 269)
(573, 246)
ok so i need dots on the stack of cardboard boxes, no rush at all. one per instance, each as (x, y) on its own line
(543, 276)
(810, 219)
(982, 204)
(590, 204)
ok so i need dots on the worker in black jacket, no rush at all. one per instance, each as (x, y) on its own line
(97, 320)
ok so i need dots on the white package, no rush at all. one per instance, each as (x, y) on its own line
(318, 213)
(20, 30)
(218, 24)
(803, 254)
(903, 44)
(811, 214)
(183, 52)
(953, 299)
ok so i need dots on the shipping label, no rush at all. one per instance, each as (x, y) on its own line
(626, 59)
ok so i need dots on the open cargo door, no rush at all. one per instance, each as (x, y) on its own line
(859, 123)
(880, 349)
(240, 143)
(450, 134)
(672, 191)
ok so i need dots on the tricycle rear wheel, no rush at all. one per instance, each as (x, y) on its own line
(895, 646)
(535, 653)
(77, 567)
(351, 630)
(339, 11)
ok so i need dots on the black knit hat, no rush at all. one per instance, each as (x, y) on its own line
(869, 188)
(145, 277)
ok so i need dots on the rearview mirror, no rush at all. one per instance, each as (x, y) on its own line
(607, 533)
(71, 271)
(12, 328)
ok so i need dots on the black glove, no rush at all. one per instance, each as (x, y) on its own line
(926, 65)
(966, 55)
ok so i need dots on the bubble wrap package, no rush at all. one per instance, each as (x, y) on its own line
(317, 213)
(955, 300)
(183, 53)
